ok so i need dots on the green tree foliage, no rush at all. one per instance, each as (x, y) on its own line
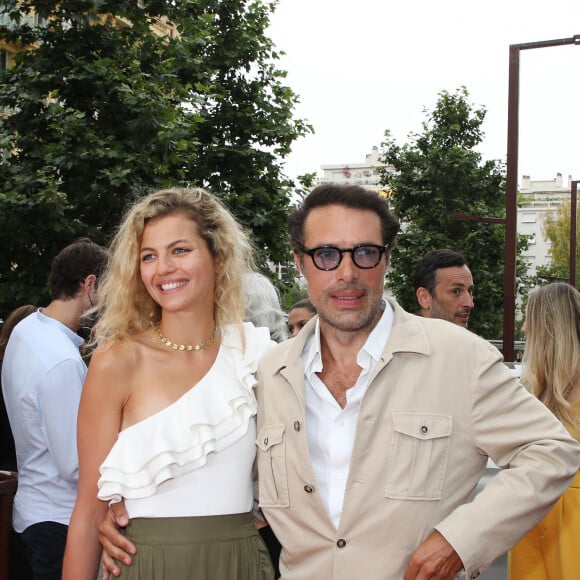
(436, 176)
(98, 111)
(556, 228)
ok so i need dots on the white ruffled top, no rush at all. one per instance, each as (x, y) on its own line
(194, 457)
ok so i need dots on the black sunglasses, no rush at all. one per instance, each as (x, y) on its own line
(364, 256)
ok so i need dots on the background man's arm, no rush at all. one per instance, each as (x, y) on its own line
(59, 395)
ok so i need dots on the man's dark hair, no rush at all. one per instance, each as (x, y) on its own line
(304, 303)
(71, 266)
(425, 275)
(350, 196)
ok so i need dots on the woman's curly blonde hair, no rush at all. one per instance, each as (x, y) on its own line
(124, 306)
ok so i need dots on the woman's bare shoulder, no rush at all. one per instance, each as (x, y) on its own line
(119, 358)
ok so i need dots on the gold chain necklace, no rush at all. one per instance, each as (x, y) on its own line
(186, 347)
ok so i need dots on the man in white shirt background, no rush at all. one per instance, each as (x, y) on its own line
(42, 378)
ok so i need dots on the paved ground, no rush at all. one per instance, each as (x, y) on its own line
(497, 571)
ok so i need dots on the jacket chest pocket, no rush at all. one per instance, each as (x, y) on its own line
(417, 461)
(272, 473)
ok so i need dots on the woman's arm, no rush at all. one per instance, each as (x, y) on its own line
(99, 420)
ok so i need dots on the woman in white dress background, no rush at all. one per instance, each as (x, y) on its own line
(167, 416)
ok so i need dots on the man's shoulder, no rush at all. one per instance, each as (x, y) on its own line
(39, 339)
(282, 354)
(440, 334)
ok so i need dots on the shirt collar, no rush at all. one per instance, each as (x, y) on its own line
(73, 336)
(373, 346)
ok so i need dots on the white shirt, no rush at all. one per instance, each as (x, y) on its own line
(330, 430)
(42, 379)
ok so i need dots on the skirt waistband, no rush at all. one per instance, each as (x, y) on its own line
(199, 529)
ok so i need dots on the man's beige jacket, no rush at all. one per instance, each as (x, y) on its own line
(439, 404)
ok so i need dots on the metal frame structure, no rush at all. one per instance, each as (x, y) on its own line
(509, 301)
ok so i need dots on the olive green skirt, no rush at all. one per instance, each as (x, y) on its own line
(198, 548)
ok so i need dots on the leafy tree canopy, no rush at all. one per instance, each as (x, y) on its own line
(436, 176)
(97, 111)
(557, 230)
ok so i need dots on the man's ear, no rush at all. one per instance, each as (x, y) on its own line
(89, 283)
(299, 260)
(424, 298)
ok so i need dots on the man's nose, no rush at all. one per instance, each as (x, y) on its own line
(347, 269)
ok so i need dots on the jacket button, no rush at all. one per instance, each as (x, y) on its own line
(341, 543)
(308, 489)
(424, 429)
(297, 426)
(265, 441)
(475, 575)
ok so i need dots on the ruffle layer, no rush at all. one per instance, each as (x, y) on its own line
(179, 438)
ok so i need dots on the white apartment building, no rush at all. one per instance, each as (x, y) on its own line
(539, 199)
(365, 174)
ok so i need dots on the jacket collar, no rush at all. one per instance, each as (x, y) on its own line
(407, 335)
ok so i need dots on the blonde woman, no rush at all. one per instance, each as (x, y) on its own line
(167, 416)
(551, 371)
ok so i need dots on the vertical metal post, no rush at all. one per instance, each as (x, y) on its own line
(511, 207)
(573, 226)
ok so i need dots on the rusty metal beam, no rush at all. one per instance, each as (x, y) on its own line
(511, 234)
(573, 226)
(476, 218)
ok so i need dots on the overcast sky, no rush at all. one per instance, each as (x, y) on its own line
(363, 66)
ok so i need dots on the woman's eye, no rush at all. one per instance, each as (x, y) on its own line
(147, 257)
(181, 250)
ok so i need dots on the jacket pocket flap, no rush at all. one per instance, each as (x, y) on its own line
(422, 426)
(269, 436)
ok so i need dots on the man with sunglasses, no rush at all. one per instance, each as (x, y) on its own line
(375, 425)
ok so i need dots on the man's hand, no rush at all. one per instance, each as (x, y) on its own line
(115, 545)
(434, 559)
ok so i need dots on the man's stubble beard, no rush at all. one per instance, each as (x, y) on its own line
(337, 320)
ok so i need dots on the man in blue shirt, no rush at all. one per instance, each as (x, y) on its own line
(42, 378)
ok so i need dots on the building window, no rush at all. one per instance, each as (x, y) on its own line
(529, 218)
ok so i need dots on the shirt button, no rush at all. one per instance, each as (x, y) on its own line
(297, 426)
(424, 429)
(308, 489)
(341, 543)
